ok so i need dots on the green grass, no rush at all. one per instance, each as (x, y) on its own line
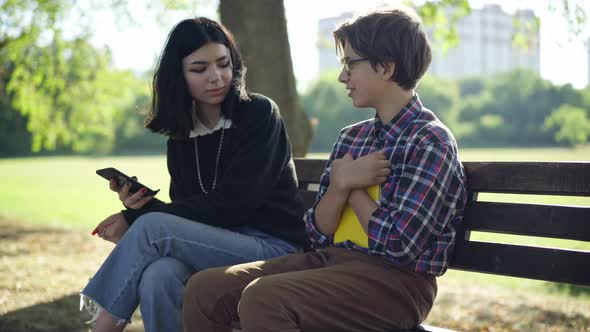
(66, 190)
(43, 268)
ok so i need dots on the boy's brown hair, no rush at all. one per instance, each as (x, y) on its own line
(389, 35)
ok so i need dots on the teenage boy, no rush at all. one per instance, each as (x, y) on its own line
(410, 231)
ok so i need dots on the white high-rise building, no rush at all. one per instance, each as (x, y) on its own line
(486, 44)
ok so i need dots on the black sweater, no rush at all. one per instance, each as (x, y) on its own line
(256, 184)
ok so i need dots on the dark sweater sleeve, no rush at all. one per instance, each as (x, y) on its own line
(262, 152)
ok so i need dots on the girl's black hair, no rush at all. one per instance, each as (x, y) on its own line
(171, 107)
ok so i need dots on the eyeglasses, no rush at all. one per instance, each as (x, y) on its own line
(347, 62)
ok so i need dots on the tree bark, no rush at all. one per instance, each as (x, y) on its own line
(260, 28)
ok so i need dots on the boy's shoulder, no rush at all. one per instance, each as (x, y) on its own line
(428, 129)
(356, 127)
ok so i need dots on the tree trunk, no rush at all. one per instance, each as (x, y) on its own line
(260, 29)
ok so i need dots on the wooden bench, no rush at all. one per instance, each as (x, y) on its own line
(547, 221)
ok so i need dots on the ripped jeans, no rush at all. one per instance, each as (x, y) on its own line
(159, 252)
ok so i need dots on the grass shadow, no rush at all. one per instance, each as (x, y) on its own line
(12, 234)
(59, 315)
(15, 232)
(544, 317)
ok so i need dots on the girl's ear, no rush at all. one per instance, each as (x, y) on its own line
(388, 70)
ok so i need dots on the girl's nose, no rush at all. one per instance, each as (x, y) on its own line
(215, 75)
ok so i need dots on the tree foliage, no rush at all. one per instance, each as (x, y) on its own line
(512, 109)
(572, 124)
(70, 95)
(64, 89)
(60, 93)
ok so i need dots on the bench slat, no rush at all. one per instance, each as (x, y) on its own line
(540, 178)
(564, 222)
(308, 198)
(309, 170)
(548, 264)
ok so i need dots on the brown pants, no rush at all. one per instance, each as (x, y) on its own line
(331, 289)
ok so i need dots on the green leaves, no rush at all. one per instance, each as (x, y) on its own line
(512, 109)
(572, 124)
(67, 89)
(70, 94)
(443, 16)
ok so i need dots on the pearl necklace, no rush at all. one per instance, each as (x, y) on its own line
(216, 162)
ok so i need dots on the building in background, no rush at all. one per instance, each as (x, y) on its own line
(486, 44)
(326, 46)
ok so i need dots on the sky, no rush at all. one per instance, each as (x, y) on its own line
(564, 58)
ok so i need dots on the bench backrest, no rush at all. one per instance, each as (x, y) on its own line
(548, 221)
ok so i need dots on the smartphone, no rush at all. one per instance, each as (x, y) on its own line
(122, 178)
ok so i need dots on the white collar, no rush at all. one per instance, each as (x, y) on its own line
(201, 130)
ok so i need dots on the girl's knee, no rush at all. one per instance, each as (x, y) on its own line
(165, 272)
(149, 219)
(149, 223)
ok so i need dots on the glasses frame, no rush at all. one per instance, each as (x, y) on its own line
(346, 63)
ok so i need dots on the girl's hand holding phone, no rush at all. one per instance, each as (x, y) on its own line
(131, 201)
(134, 201)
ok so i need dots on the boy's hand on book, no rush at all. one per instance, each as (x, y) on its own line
(339, 171)
(366, 171)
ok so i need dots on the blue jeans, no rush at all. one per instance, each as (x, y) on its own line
(159, 252)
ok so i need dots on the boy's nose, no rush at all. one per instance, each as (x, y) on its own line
(343, 77)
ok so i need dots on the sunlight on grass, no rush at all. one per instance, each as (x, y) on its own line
(529, 241)
(66, 190)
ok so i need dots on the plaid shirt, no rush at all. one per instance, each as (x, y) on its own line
(422, 201)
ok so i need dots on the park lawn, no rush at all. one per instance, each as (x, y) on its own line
(47, 206)
(65, 191)
(42, 269)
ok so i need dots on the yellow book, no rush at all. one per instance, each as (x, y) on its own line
(350, 227)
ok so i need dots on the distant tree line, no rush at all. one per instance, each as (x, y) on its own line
(62, 95)
(515, 109)
(512, 109)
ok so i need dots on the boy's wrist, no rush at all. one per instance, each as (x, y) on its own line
(354, 193)
(339, 189)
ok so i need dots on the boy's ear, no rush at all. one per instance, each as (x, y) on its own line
(388, 70)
